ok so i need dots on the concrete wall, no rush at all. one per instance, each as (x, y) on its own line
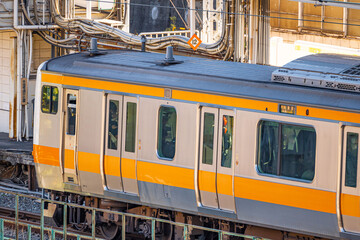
(5, 77)
(287, 46)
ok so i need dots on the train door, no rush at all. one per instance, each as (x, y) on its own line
(215, 159)
(112, 156)
(208, 157)
(350, 185)
(128, 150)
(71, 109)
(225, 166)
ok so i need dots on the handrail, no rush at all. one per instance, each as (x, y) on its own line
(185, 33)
(64, 232)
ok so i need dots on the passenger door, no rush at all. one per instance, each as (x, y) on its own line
(69, 153)
(216, 170)
(225, 165)
(208, 157)
(112, 165)
(350, 189)
(129, 146)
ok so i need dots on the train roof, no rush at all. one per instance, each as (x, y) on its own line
(206, 75)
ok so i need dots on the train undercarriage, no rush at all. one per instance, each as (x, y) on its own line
(109, 225)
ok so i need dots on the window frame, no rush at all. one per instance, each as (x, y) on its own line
(257, 156)
(51, 101)
(157, 132)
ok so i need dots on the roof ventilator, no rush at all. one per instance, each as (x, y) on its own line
(317, 79)
(169, 58)
(93, 48)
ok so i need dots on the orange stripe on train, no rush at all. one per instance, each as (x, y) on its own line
(258, 190)
(46, 155)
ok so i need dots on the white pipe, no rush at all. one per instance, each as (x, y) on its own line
(18, 85)
(36, 27)
(88, 9)
(27, 79)
(192, 17)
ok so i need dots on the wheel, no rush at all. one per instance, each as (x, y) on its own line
(109, 230)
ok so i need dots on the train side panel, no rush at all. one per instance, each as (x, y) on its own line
(287, 203)
(89, 141)
(47, 134)
(165, 179)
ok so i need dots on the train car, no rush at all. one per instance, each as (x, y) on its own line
(256, 147)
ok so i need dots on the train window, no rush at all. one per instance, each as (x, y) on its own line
(71, 114)
(130, 127)
(208, 138)
(49, 99)
(166, 132)
(226, 142)
(287, 150)
(351, 159)
(113, 128)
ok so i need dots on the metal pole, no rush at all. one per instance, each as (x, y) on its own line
(153, 229)
(300, 16)
(52, 234)
(1, 228)
(28, 232)
(220, 235)
(65, 222)
(345, 20)
(123, 230)
(42, 220)
(17, 216)
(185, 232)
(93, 224)
(192, 17)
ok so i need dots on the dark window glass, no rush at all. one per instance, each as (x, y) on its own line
(298, 152)
(167, 132)
(208, 138)
(269, 147)
(71, 114)
(226, 142)
(113, 124)
(130, 127)
(49, 99)
(45, 99)
(54, 99)
(351, 159)
(287, 150)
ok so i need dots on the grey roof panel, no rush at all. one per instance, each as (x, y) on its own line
(206, 75)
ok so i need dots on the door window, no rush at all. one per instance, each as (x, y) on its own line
(113, 124)
(351, 159)
(208, 138)
(226, 141)
(71, 114)
(130, 127)
(167, 132)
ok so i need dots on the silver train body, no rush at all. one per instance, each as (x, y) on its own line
(258, 145)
